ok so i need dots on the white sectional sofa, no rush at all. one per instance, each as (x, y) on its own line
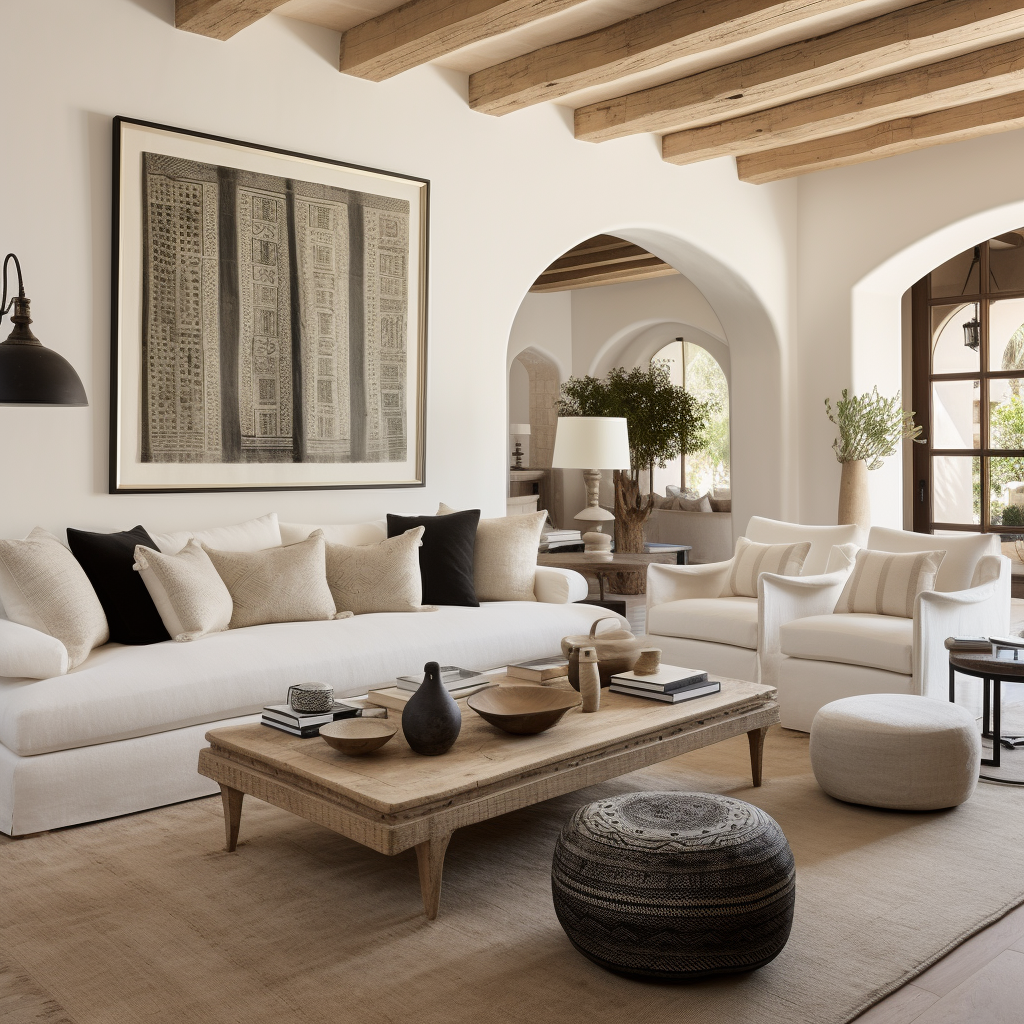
(123, 730)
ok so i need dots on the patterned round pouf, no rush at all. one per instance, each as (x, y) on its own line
(674, 886)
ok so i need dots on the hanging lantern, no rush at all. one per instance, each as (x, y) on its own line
(972, 332)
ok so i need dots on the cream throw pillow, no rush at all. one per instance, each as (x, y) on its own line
(286, 584)
(885, 584)
(752, 559)
(43, 586)
(186, 589)
(382, 577)
(505, 562)
(685, 504)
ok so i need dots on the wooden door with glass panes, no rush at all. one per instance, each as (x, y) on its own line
(968, 391)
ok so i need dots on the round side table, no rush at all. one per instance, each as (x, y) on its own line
(992, 672)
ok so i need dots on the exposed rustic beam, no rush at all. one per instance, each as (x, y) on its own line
(884, 44)
(423, 30)
(221, 19)
(639, 43)
(983, 74)
(1003, 114)
(604, 275)
(602, 257)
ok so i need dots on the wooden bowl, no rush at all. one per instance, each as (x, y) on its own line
(522, 710)
(358, 735)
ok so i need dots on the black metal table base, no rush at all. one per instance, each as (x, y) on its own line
(991, 719)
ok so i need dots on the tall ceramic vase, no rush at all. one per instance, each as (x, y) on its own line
(854, 498)
(431, 720)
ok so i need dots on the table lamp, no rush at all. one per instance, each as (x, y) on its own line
(592, 443)
(518, 430)
(30, 373)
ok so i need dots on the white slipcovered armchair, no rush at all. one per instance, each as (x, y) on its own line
(817, 656)
(697, 620)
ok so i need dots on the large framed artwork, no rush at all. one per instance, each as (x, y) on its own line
(269, 318)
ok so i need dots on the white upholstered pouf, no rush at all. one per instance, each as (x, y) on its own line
(896, 750)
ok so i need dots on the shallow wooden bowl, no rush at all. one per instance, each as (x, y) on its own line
(358, 735)
(522, 709)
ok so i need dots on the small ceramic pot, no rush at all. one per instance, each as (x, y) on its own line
(311, 697)
(617, 651)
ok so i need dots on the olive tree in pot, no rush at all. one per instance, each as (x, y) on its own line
(664, 421)
(870, 429)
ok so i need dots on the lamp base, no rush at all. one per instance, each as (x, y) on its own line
(597, 543)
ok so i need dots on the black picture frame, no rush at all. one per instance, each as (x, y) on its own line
(276, 459)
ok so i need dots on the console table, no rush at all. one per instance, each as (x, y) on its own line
(602, 564)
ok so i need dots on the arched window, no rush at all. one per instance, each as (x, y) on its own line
(695, 369)
(968, 336)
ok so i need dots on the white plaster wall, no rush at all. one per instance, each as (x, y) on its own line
(544, 322)
(508, 196)
(866, 234)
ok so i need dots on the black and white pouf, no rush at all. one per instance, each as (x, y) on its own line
(674, 886)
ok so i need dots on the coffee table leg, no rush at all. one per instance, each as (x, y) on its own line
(232, 800)
(430, 860)
(756, 740)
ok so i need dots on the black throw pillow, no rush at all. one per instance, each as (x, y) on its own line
(107, 559)
(447, 555)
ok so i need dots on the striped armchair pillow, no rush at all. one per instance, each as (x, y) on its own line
(752, 559)
(886, 584)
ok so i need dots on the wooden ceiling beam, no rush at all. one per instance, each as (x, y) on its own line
(423, 30)
(221, 19)
(888, 43)
(603, 257)
(637, 44)
(890, 138)
(608, 275)
(983, 74)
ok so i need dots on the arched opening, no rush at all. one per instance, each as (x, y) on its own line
(533, 383)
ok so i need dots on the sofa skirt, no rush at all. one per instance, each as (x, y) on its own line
(69, 787)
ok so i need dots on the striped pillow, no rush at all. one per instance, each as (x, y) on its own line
(886, 584)
(752, 559)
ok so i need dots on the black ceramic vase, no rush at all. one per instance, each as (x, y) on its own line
(431, 720)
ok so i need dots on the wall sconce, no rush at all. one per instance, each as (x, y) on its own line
(30, 373)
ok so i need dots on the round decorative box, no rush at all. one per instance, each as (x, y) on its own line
(674, 886)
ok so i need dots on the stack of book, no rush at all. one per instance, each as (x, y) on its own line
(540, 670)
(670, 684)
(559, 540)
(305, 724)
(452, 678)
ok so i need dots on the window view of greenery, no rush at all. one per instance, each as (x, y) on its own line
(695, 369)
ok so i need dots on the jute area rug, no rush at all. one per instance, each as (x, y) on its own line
(144, 918)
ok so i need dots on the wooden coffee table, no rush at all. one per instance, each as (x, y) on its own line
(394, 799)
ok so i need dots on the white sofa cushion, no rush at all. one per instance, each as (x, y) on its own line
(722, 620)
(962, 553)
(888, 584)
(349, 534)
(772, 531)
(559, 586)
(872, 641)
(135, 691)
(29, 653)
(252, 535)
(43, 587)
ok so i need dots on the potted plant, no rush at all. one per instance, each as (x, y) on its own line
(870, 429)
(664, 421)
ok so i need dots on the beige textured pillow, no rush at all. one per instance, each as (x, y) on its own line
(885, 584)
(286, 584)
(684, 504)
(505, 562)
(752, 559)
(43, 586)
(720, 504)
(382, 577)
(189, 595)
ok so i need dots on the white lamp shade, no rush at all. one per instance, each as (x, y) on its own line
(519, 428)
(591, 442)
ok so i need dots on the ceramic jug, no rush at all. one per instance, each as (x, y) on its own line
(617, 651)
(431, 720)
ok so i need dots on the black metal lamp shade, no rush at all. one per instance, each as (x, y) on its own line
(972, 333)
(30, 373)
